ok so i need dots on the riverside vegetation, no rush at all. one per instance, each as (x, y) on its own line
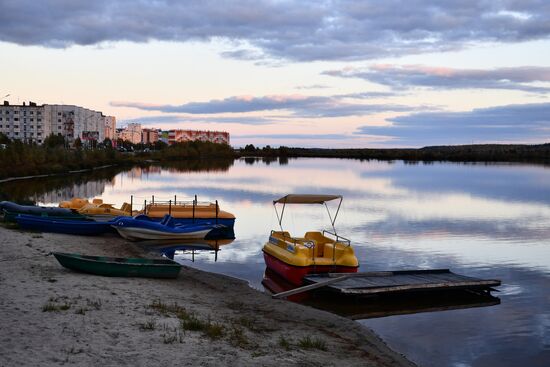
(18, 159)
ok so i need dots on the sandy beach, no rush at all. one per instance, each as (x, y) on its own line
(52, 316)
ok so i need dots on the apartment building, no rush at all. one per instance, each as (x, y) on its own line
(149, 136)
(33, 123)
(25, 122)
(132, 133)
(177, 136)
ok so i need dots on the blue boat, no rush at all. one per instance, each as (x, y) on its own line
(77, 227)
(11, 210)
(143, 227)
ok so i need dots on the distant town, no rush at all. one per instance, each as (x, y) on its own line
(32, 123)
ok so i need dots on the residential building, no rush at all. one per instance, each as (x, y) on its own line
(149, 136)
(24, 122)
(177, 136)
(132, 133)
(33, 123)
(110, 127)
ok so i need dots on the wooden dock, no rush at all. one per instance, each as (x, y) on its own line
(390, 282)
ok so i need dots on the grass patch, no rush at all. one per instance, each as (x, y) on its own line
(148, 325)
(214, 331)
(283, 343)
(312, 343)
(208, 328)
(193, 323)
(53, 307)
(166, 309)
(238, 337)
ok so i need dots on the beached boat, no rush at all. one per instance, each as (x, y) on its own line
(316, 252)
(119, 267)
(10, 210)
(143, 227)
(96, 209)
(10, 216)
(76, 227)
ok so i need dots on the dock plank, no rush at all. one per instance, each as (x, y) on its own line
(400, 281)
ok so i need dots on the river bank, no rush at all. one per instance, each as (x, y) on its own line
(53, 316)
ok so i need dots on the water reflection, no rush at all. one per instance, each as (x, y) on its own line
(487, 221)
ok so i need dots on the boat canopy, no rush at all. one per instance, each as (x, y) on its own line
(306, 199)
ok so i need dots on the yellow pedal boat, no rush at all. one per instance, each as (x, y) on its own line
(97, 208)
(315, 252)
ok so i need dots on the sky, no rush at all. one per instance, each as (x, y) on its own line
(323, 73)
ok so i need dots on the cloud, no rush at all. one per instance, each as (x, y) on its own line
(299, 105)
(293, 30)
(312, 86)
(511, 123)
(296, 136)
(400, 77)
(178, 119)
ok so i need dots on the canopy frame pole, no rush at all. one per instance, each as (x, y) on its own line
(279, 218)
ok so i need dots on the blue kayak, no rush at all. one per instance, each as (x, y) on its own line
(143, 227)
(78, 227)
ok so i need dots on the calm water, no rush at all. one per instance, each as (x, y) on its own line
(490, 221)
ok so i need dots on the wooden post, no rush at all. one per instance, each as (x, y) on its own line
(153, 199)
(217, 211)
(131, 205)
(170, 207)
(145, 207)
(175, 201)
(194, 203)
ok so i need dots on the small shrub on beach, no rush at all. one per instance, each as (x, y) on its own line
(283, 343)
(50, 307)
(53, 307)
(312, 343)
(238, 337)
(148, 325)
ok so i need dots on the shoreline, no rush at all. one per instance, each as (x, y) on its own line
(53, 316)
(9, 179)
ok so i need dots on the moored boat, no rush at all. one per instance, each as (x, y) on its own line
(76, 227)
(96, 209)
(10, 210)
(316, 252)
(119, 267)
(143, 227)
(10, 216)
(191, 212)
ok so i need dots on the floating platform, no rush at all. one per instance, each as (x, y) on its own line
(391, 282)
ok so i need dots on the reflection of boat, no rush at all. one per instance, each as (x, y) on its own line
(274, 283)
(119, 267)
(381, 306)
(11, 210)
(295, 257)
(96, 209)
(77, 227)
(143, 227)
(168, 248)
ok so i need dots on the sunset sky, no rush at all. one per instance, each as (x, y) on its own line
(296, 73)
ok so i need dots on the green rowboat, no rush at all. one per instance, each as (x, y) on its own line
(119, 266)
